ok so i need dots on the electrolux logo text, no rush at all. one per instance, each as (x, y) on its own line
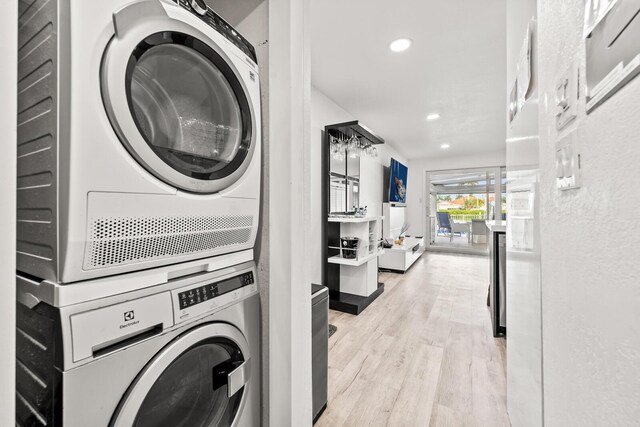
(129, 318)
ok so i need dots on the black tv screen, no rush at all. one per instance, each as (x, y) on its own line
(397, 182)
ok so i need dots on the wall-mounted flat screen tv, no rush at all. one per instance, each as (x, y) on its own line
(397, 182)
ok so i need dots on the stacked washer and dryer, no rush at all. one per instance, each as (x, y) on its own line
(138, 203)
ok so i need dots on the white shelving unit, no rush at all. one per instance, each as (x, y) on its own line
(337, 259)
(359, 275)
(352, 282)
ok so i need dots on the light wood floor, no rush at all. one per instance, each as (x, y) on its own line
(422, 354)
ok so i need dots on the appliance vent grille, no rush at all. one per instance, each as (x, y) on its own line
(120, 241)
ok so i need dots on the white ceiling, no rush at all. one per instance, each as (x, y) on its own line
(455, 67)
(457, 178)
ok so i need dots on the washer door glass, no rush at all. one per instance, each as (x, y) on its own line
(188, 105)
(192, 391)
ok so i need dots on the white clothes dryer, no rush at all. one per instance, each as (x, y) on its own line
(139, 137)
(180, 353)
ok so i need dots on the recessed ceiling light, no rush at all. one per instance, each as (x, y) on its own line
(445, 146)
(400, 45)
(434, 116)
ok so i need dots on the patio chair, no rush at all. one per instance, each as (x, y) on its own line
(446, 224)
(479, 231)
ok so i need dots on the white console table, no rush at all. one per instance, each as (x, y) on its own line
(401, 257)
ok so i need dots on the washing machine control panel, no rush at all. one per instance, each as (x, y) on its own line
(204, 293)
(200, 9)
(195, 300)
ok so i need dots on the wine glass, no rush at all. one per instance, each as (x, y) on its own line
(343, 144)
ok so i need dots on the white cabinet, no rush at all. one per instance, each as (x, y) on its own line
(358, 275)
(402, 257)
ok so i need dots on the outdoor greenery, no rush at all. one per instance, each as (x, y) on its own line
(474, 212)
(470, 201)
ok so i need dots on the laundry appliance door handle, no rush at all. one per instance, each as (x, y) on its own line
(238, 378)
(234, 375)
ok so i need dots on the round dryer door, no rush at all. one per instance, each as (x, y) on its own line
(196, 381)
(179, 104)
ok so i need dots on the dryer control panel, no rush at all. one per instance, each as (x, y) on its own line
(195, 300)
(200, 9)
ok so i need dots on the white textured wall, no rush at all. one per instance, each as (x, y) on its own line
(255, 27)
(590, 245)
(325, 112)
(416, 207)
(8, 105)
(524, 324)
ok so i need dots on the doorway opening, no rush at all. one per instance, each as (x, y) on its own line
(459, 204)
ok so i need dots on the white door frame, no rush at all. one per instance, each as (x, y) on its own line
(8, 120)
(289, 214)
(496, 170)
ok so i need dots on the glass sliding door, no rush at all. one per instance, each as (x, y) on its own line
(460, 203)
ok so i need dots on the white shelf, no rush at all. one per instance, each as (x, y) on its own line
(337, 259)
(354, 220)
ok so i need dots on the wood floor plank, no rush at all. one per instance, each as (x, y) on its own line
(374, 407)
(446, 417)
(422, 354)
(436, 329)
(417, 395)
(342, 405)
(487, 401)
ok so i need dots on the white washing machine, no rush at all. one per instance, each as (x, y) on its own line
(139, 137)
(184, 353)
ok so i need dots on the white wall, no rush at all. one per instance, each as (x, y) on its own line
(524, 329)
(255, 28)
(416, 207)
(590, 245)
(234, 11)
(8, 105)
(289, 214)
(325, 112)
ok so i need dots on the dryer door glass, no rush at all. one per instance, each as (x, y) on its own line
(189, 106)
(193, 390)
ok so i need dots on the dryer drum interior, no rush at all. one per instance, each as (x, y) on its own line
(188, 105)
